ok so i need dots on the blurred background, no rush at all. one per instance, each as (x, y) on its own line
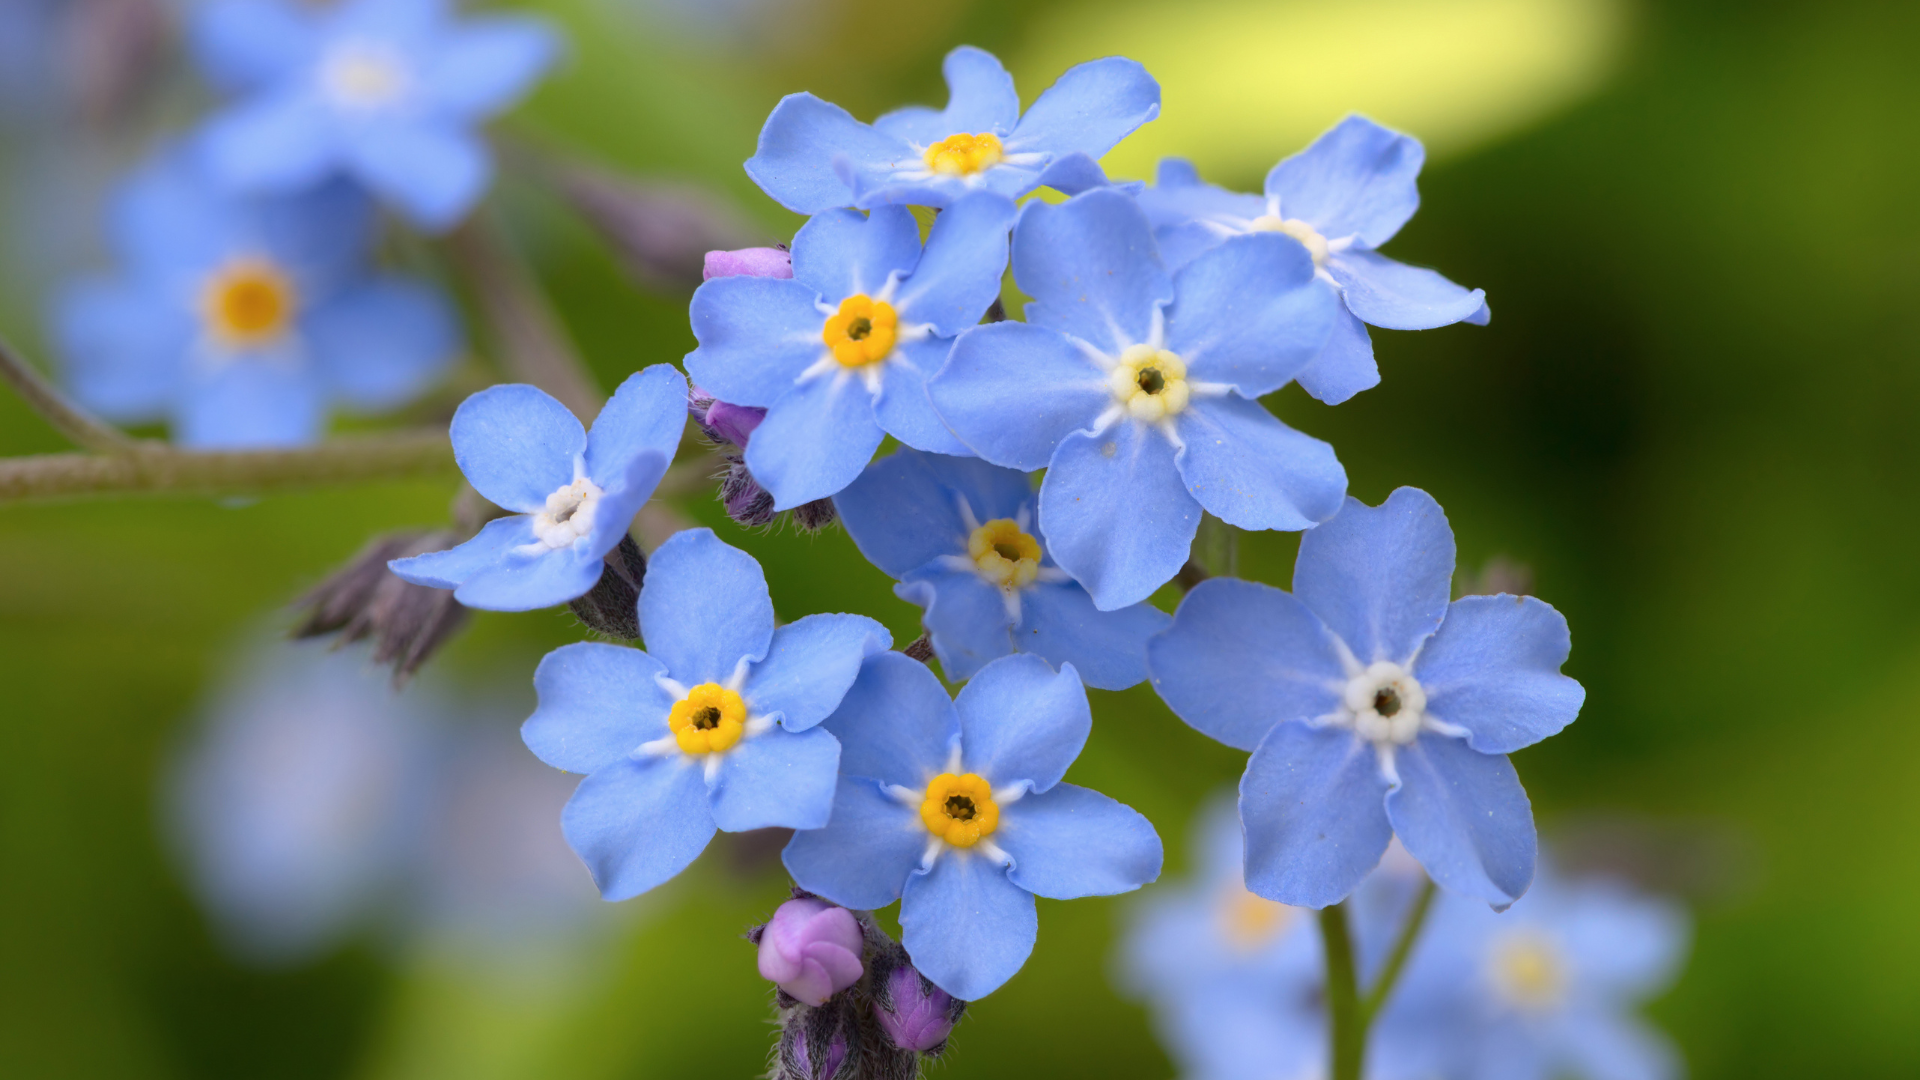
(1694, 420)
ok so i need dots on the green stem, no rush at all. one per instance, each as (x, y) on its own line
(1347, 1022)
(156, 468)
(1383, 986)
(81, 427)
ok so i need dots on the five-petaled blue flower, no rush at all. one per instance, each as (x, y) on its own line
(387, 91)
(955, 808)
(1373, 707)
(1137, 391)
(814, 156)
(714, 726)
(959, 535)
(573, 494)
(241, 320)
(839, 355)
(1342, 197)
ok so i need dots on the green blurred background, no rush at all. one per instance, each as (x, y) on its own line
(1695, 416)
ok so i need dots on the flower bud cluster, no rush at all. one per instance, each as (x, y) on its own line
(612, 605)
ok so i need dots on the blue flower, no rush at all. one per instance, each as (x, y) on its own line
(839, 355)
(242, 320)
(1138, 392)
(386, 91)
(714, 726)
(814, 156)
(955, 808)
(959, 536)
(1342, 197)
(574, 494)
(1367, 654)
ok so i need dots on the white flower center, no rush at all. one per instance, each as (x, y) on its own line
(1315, 243)
(1527, 970)
(363, 75)
(1386, 704)
(569, 514)
(1150, 383)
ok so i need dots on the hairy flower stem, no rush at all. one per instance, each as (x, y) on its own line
(80, 427)
(1346, 1021)
(531, 339)
(157, 468)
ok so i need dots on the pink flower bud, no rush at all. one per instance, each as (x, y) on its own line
(723, 421)
(748, 262)
(916, 1014)
(811, 950)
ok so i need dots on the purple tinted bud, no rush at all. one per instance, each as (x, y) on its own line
(748, 262)
(811, 950)
(916, 1014)
(734, 423)
(818, 1044)
(746, 501)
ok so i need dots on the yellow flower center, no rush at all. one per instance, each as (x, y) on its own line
(708, 720)
(862, 332)
(1151, 383)
(1003, 554)
(959, 809)
(964, 154)
(361, 75)
(1248, 921)
(248, 302)
(1316, 244)
(1527, 970)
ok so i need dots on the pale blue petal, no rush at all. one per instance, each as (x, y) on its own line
(403, 22)
(844, 252)
(1355, 180)
(906, 182)
(958, 277)
(171, 226)
(1345, 367)
(646, 415)
(1072, 842)
(1012, 391)
(1494, 669)
(896, 725)
(251, 402)
(244, 43)
(1181, 244)
(903, 408)
(432, 172)
(487, 64)
(1464, 815)
(1091, 266)
(1107, 648)
(966, 926)
(756, 336)
(1179, 196)
(1311, 804)
(1390, 294)
(1022, 720)
(123, 348)
(451, 568)
(321, 235)
(810, 665)
(1603, 1046)
(871, 843)
(1117, 514)
(814, 440)
(1252, 471)
(904, 510)
(966, 616)
(798, 144)
(598, 704)
(777, 780)
(638, 822)
(704, 606)
(531, 579)
(1071, 174)
(1250, 314)
(1241, 657)
(383, 341)
(1379, 576)
(980, 98)
(1090, 109)
(1625, 946)
(516, 445)
(1481, 317)
(623, 497)
(279, 141)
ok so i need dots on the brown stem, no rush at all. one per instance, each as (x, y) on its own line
(154, 467)
(80, 427)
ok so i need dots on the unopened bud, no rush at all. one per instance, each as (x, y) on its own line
(811, 949)
(915, 1014)
(819, 1044)
(746, 501)
(815, 515)
(723, 421)
(365, 599)
(612, 606)
(773, 262)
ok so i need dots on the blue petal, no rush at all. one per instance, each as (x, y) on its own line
(1117, 514)
(406, 23)
(172, 226)
(756, 336)
(871, 843)
(1253, 471)
(321, 235)
(815, 440)
(1072, 842)
(844, 252)
(1601, 1045)
(1022, 720)
(251, 402)
(798, 144)
(966, 926)
(432, 173)
(279, 141)
(382, 342)
(244, 43)
(1241, 657)
(958, 277)
(1311, 804)
(1390, 294)
(1091, 266)
(1012, 391)
(532, 578)
(1090, 109)
(1345, 367)
(124, 348)
(903, 408)
(906, 182)
(638, 822)
(980, 98)
(1107, 648)
(1355, 180)
(1249, 313)
(487, 64)
(1379, 576)
(904, 510)
(1071, 174)
(703, 607)
(1494, 669)
(623, 497)
(1178, 196)
(810, 665)
(516, 445)
(777, 780)
(896, 725)
(598, 704)
(1624, 945)
(1464, 815)
(647, 414)
(966, 617)
(451, 568)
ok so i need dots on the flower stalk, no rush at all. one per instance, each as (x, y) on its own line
(1350, 1014)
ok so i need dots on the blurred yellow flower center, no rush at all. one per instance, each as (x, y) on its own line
(708, 720)
(964, 154)
(1527, 970)
(1248, 921)
(1151, 383)
(248, 302)
(363, 75)
(1003, 554)
(1316, 244)
(862, 332)
(959, 809)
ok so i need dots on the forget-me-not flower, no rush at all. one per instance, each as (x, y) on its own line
(1138, 392)
(241, 320)
(1373, 707)
(1342, 197)
(814, 156)
(960, 537)
(840, 354)
(573, 493)
(955, 808)
(715, 726)
(387, 91)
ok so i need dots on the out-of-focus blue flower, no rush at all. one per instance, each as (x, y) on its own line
(814, 156)
(959, 535)
(840, 354)
(241, 320)
(1367, 654)
(574, 494)
(1138, 392)
(1342, 198)
(387, 91)
(955, 808)
(714, 726)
